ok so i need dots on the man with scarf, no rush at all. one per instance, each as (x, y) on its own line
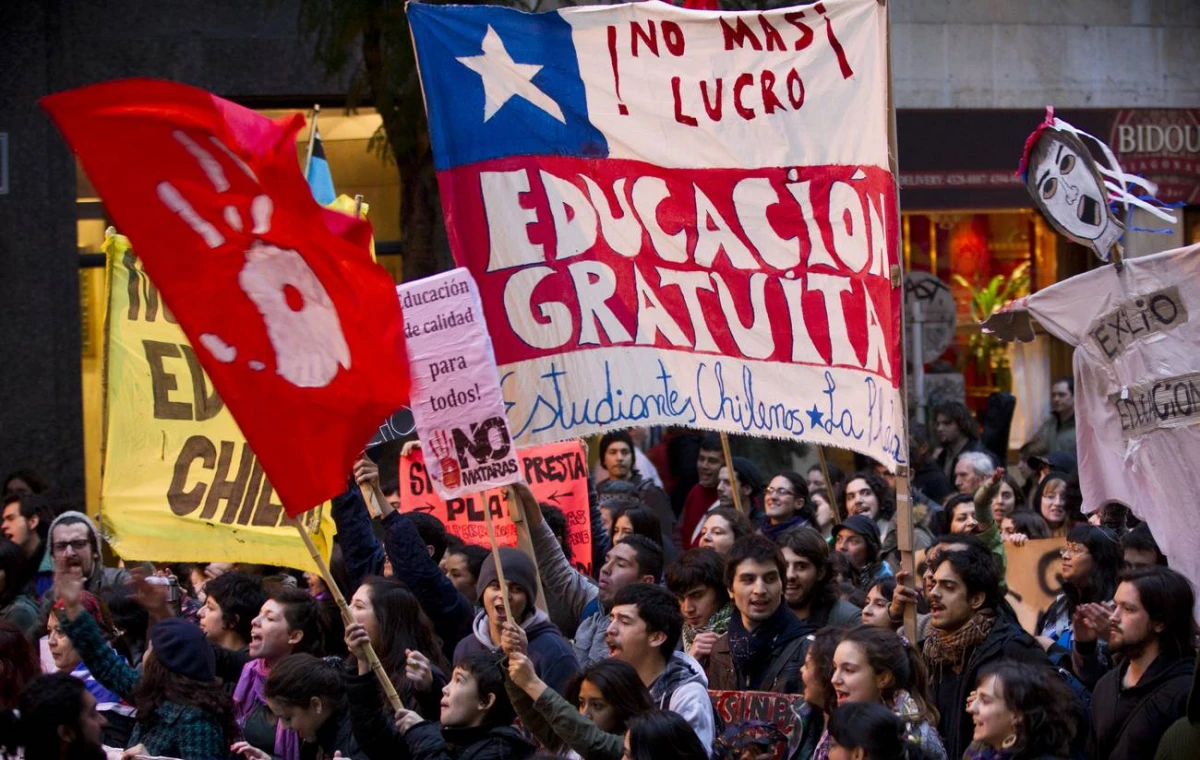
(966, 634)
(764, 646)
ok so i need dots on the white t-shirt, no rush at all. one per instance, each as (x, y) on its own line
(1137, 390)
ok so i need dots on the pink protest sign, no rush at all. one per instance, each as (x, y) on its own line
(456, 399)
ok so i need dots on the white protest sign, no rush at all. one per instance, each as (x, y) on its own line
(456, 399)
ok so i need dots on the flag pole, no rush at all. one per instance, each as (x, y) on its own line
(733, 480)
(312, 133)
(389, 689)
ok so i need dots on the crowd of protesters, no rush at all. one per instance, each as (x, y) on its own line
(703, 582)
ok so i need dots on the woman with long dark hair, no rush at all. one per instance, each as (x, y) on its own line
(662, 735)
(591, 718)
(875, 665)
(722, 527)
(870, 731)
(1091, 561)
(18, 664)
(1021, 712)
(786, 506)
(635, 520)
(819, 698)
(308, 694)
(389, 616)
(1050, 501)
(182, 709)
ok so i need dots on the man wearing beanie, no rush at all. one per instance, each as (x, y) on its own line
(74, 545)
(858, 539)
(183, 711)
(553, 660)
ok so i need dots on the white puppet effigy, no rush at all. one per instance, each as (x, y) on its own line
(1135, 326)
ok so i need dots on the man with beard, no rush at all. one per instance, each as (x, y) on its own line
(59, 720)
(1058, 431)
(1152, 632)
(74, 545)
(809, 588)
(644, 632)
(966, 634)
(764, 646)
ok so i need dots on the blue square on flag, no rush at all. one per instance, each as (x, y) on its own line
(494, 89)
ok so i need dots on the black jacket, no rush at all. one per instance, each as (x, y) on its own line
(432, 741)
(1130, 722)
(949, 690)
(335, 735)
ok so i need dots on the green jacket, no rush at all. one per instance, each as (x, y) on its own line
(172, 730)
(557, 723)
(989, 531)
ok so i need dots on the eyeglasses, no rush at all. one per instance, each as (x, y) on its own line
(779, 492)
(60, 547)
(1072, 551)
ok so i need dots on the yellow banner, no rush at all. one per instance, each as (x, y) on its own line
(178, 481)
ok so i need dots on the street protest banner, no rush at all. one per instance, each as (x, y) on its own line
(179, 482)
(676, 217)
(779, 710)
(1034, 578)
(556, 473)
(456, 401)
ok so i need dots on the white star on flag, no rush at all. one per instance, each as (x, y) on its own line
(503, 78)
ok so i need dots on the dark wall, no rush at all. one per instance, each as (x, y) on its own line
(249, 51)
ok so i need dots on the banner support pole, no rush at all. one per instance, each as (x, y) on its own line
(733, 479)
(389, 689)
(487, 512)
(833, 505)
(525, 539)
(904, 523)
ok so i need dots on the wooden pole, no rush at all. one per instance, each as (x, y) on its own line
(525, 539)
(372, 659)
(833, 505)
(904, 524)
(499, 567)
(312, 132)
(733, 481)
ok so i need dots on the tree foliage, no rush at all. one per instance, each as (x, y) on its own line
(371, 39)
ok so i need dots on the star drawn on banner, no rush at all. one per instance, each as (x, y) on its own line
(815, 417)
(503, 78)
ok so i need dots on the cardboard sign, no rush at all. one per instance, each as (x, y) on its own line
(557, 474)
(1034, 578)
(456, 399)
(180, 483)
(760, 706)
(676, 218)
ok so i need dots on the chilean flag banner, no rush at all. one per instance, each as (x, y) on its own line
(676, 217)
(297, 327)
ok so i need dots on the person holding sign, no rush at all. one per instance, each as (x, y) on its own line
(552, 657)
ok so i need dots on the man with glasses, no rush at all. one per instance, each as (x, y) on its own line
(75, 548)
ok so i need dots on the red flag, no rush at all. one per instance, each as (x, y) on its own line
(299, 330)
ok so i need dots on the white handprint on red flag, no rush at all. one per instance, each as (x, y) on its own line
(301, 320)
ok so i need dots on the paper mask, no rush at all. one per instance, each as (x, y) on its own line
(1080, 192)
